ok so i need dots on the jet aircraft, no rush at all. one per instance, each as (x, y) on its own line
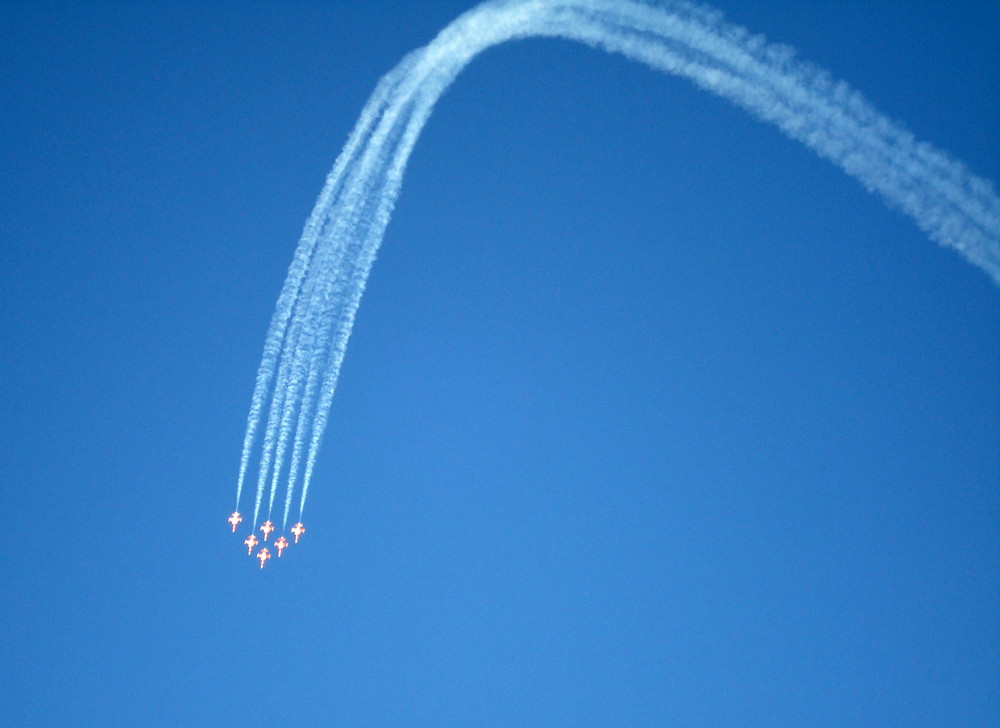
(267, 528)
(263, 555)
(234, 519)
(281, 544)
(250, 543)
(298, 529)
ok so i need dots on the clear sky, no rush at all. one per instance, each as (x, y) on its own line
(650, 416)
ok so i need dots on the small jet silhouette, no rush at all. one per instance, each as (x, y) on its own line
(250, 543)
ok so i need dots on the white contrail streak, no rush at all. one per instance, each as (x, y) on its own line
(293, 283)
(327, 278)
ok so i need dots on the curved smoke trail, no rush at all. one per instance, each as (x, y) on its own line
(331, 265)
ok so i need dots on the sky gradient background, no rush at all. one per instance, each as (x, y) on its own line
(650, 416)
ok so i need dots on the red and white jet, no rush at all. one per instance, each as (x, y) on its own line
(267, 528)
(263, 555)
(298, 529)
(250, 543)
(281, 544)
(234, 519)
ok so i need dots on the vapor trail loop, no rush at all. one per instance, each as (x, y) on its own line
(307, 339)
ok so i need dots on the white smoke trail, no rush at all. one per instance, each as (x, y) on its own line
(296, 274)
(321, 294)
(292, 384)
(301, 432)
(300, 343)
(328, 317)
(951, 205)
(271, 429)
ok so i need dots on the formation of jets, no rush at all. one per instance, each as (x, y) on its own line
(267, 528)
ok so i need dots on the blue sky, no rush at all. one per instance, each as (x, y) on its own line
(650, 416)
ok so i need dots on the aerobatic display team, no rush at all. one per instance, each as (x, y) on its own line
(308, 334)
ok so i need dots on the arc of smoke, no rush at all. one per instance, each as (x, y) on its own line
(306, 320)
(278, 399)
(297, 272)
(952, 206)
(306, 365)
(291, 382)
(302, 428)
(299, 339)
(325, 317)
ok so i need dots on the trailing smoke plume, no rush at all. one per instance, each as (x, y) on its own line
(312, 322)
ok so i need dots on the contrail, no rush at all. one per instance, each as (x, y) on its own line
(287, 400)
(338, 247)
(293, 283)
